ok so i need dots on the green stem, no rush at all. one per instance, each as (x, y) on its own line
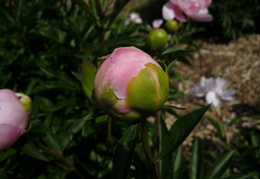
(147, 151)
(59, 156)
(158, 136)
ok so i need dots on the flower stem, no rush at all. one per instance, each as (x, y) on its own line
(147, 151)
(158, 136)
(59, 156)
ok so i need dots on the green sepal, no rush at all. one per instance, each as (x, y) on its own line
(25, 101)
(147, 92)
(162, 64)
(88, 74)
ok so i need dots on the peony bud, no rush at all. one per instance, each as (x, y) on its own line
(157, 39)
(13, 118)
(130, 85)
(171, 26)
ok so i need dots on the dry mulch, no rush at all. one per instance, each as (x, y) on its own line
(238, 62)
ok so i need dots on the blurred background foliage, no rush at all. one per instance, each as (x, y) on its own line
(42, 47)
(232, 19)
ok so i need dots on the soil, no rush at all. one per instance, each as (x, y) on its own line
(238, 62)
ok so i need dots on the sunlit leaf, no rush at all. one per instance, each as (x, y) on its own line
(180, 130)
(218, 125)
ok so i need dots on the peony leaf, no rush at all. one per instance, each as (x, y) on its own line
(196, 161)
(180, 130)
(219, 126)
(172, 49)
(30, 149)
(124, 152)
(88, 74)
(220, 166)
(178, 165)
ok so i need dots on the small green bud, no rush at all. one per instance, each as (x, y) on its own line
(157, 39)
(171, 26)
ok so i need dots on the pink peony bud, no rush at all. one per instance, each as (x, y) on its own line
(130, 84)
(13, 118)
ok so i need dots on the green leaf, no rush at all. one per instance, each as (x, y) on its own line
(196, 161)
(220, 166)
(30, 149)
(118, 7)
(173, 107)
(54, 142)
(77, 75)
(124, 152)
(178, 164)
(170, 66)
(172, 49)
(75, 127)
(167, 162)
(93, 9)
(242, 176)
(218, 125)
(180, 130)
(88, 74)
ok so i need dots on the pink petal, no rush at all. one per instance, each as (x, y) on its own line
(135, 17)
(157, 23)
(171, 11)
(8, 95)
(130, 57)
(206, 3)
(168, 12)
(202, 16)
(179, 14)
(9, 135)
(13, 114)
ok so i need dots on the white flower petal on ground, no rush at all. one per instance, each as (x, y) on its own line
(212, 97)
(213, 89)
(227, 95)
(198, 91)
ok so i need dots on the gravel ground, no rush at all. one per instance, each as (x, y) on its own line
(238, 62)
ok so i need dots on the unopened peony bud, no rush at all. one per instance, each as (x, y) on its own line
(157, 39)
(130, 85)
(171, 26)
(13, 118)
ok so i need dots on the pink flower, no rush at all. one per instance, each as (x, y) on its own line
(13, 118)
(194, 9)
(157, 23)
(130, 84)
